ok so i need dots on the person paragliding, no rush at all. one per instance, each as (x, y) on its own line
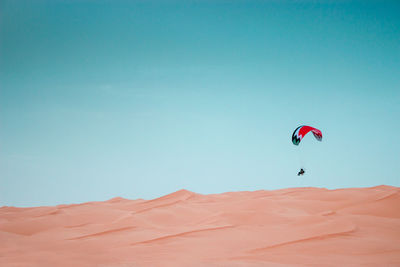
(298, 135)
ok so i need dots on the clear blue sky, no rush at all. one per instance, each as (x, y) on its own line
(142, 98)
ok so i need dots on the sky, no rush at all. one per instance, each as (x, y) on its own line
(139, 99)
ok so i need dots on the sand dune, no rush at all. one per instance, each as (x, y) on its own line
(289, 227)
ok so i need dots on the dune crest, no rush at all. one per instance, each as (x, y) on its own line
(287, 227)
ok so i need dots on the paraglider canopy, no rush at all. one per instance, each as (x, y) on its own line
(302, 130)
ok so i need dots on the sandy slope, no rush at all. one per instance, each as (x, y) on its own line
(290, 227)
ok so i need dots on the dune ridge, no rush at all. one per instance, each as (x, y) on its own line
(286, 227)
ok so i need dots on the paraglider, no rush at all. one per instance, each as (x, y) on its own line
(302, 130)
(299, 134)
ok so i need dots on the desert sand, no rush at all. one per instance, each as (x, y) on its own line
(288, 227)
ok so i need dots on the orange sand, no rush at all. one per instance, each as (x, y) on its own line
(290, 227)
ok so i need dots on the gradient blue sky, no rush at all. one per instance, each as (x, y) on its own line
(142, 98)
